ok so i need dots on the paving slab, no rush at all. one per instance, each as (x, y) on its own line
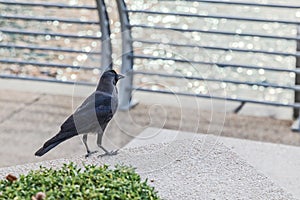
(14, 101)
(279, 162)
(185, 169)
(26, 130)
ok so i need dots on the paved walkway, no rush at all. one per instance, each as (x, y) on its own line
(26, 121)
(31, 113)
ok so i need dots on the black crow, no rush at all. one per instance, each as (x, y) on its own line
(92, 116)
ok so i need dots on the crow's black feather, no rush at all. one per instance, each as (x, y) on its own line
(92, 115)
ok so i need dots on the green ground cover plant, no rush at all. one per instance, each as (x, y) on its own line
(72, 182)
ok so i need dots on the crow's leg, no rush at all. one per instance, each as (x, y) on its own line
(107, 153)
(84, 138)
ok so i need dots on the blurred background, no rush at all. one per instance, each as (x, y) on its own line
(236, 53)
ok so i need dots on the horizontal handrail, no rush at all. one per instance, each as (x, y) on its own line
(32, 78)
(31, 47)
(43, 4)
(295, 105)
(214, 16)
(218, 48)
(24, 32)
(40, 64)
(297, 71)
(44, 19)
(263, 84)
(214, 32)
(243, 3)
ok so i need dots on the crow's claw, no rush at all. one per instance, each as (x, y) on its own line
(109, 153)
(90, 153)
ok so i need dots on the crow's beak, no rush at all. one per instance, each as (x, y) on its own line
(120, 76)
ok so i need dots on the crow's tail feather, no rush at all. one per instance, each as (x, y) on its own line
(53, 142)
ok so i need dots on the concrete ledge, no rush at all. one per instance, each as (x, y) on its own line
(198, 168)
(279, 162)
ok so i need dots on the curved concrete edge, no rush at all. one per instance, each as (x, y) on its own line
(199, 168)
(279, 162)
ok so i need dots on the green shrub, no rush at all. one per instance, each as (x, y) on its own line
(71, 182)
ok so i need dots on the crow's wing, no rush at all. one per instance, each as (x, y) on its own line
(93, 113)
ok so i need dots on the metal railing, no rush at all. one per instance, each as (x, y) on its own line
(183, 40)
(132, 25)
(50, 48)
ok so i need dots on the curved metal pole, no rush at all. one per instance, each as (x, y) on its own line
(127, 59)
(106, 48)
